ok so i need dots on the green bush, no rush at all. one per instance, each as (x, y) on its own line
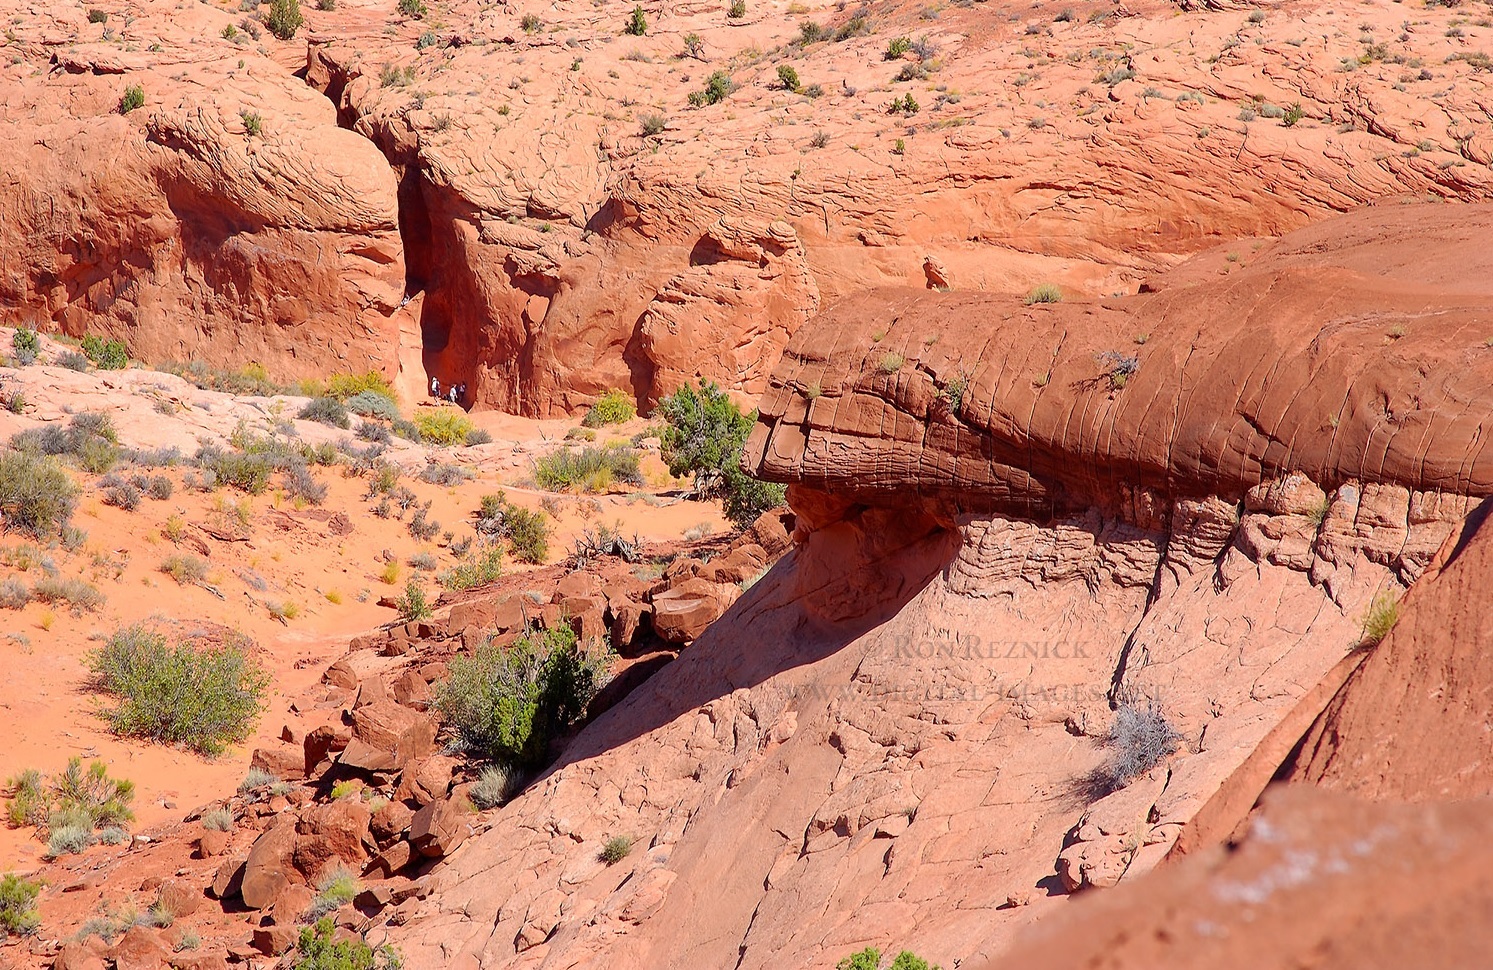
(718, 87)
(326, 410)
(613, 407)
(133, 97)
(373, 404)
(284, 18)
(738, 10)
(344, 387)
(870, 959)
(413, 8)
(204, 698)
(788, 77)
(185, 569)
(703, 437)
(591, 469)
(18, 915)
(637, 23)
(898, 48)
(616, 849)
(321, 950)
(443, 427)
(527, 530)
(1044, 293)
(105, 354)
(36, 495)
(413, 605)
(1383, 613)
(90, 798)
(30, 801)
(247, 472)
(338, 887)
(485, 567)
(26, 345)
(509, 704)
(89, 439)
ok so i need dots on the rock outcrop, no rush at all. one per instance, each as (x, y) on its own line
(1004, 535)
(227, 218)
(1371, 853)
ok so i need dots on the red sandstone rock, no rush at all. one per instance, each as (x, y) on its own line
(268, 869)
(441, 826)
(682, 613)
(387, 736)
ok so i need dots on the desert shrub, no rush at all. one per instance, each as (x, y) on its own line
(124, 496)
(1139, 739)
(440, 473)
(78, 594)
(1382, 615)
(133, 97)
(408, 430)
(413, 8)
(1293, 115)
(18, 915)
(738, 10)
(26, 346)
(1118, 367)
(479, 436)
(718, 87)
(255, 779)
(160, 488)
(413, 605)
(870, 959)
(326, 410)
(372, 431)
(590, 469)
(218, 820)
(338, 887)
(344, 387)
(36, 495)
(637, 23)
(531, 23)
(284, 18)
(897, 48)
(527, 530)
(703, 437)
(300, 483)
(321, 950)
(185, 569)
(105, 354)
(30, 800)
(509, 704)
(443, 427)
(247, 472)
(494, 786)
(653, 124)
(204, 698)
(13, 594)
(68, 840)
(423, 561)
(617, 848)
(480, 569)
(788, 77)
(421, 525)
(283, 610)
(89, 798)
(373, 404)
(811, 33)
(1044, 293)
(73, 360)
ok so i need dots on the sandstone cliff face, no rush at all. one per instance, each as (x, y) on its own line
(564, 204)
(1396, 876)
(173, 226)
(887, 740)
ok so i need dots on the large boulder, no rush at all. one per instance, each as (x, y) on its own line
(269, 868)
(681, 613)
(386, 736)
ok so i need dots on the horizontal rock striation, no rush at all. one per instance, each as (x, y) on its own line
(1351, 352)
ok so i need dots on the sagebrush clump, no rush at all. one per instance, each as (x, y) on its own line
(204, 698)
(613, 407)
